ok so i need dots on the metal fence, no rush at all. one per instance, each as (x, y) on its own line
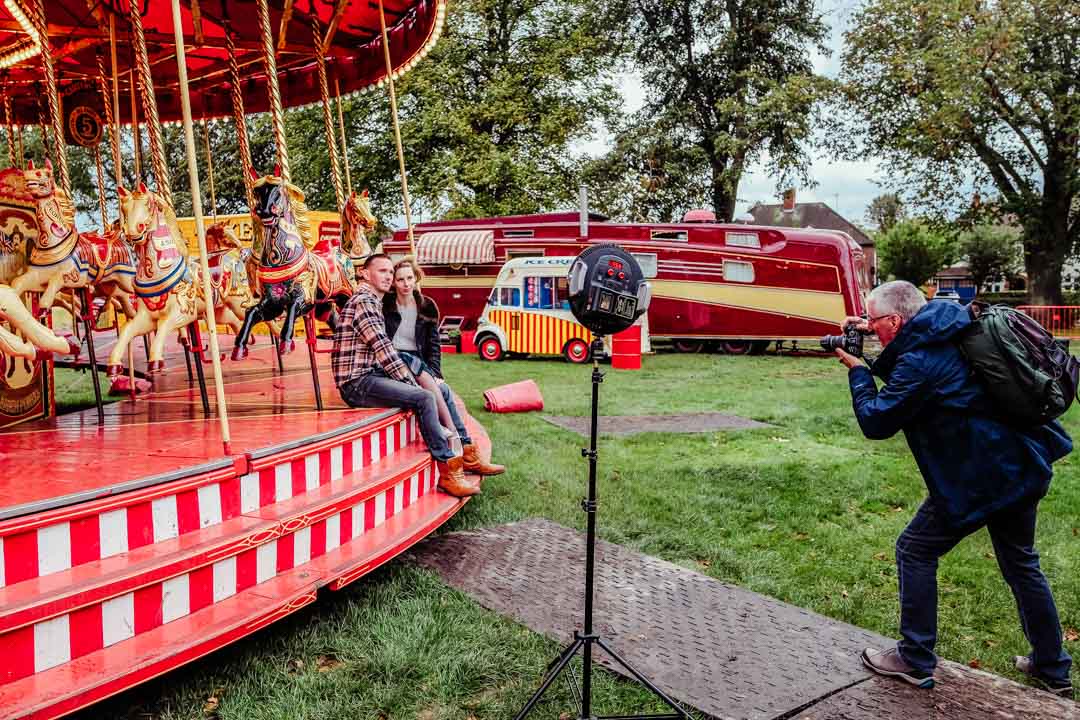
(1063, 321)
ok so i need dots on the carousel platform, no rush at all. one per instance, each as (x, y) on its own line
(130, 548)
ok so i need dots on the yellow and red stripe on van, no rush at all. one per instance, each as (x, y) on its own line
(536, 332)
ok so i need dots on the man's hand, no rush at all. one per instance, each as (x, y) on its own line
(861, 323)
(849, 359)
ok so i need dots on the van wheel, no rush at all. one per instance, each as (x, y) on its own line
(688, 346)
(576, 351)
(490, 349)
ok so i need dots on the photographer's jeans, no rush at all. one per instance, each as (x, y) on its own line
(378, 390)
(928, 536)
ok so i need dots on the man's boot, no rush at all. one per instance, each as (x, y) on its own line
(452, 480)
(474, 464)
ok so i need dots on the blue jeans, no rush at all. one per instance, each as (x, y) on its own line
(929, 536)
(377, 390)
(448, 396)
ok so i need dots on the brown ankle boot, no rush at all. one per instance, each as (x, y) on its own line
(474, 464)
(452, 480)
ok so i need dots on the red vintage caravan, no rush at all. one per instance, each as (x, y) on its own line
(741, 285)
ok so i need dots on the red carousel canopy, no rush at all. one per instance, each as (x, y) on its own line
(79, 34)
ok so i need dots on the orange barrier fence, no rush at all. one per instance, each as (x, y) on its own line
(1063, 321)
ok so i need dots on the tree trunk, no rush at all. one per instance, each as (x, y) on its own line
(1044, 257)
(723, 191)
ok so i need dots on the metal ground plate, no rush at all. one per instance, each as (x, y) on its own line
(728, 652)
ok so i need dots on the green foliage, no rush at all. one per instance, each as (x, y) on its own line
(992, 252)
(885, 211)
(963, 92)
(914, 252)
(490, 116)
(728, 86)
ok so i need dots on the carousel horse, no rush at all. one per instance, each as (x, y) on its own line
(30, 337)
(61, 257)
(356, 222)
(228, 276)
(293, 274)
(168, 290)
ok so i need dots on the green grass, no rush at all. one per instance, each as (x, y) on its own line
(75, 390)
(805, 511)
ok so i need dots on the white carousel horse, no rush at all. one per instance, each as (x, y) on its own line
(168, 294)
(61, 257)
(30, 337)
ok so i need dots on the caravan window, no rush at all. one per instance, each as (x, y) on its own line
(736, 271)
(509, 297)
(738, 239)
(677, 235)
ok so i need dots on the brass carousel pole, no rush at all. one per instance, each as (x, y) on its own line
(12, 150)
(200, 229)
(114, 126)
(344, 139)
(210, 169)
(238, 118)
(149, 103)
(41, 27)
(397, 128)
(328, 121)
(277, 117)
(136, 135)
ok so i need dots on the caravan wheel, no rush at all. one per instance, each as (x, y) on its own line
(576, 351)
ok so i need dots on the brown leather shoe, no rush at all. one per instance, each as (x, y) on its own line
(452, 480)
(474, 464)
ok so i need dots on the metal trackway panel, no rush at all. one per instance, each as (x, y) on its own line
(723, 650)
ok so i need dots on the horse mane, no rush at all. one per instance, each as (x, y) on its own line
(67, 207)
(300, 215)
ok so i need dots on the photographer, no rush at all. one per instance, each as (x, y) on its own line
(978, 472)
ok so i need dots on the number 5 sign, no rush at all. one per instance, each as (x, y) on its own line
(84, 124)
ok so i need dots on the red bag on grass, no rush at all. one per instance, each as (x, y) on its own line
(521, 396)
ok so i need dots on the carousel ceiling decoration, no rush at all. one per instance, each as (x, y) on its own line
(80, 42)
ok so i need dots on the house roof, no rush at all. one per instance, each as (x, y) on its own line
(809, 215)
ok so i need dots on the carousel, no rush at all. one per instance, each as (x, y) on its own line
(235, 486)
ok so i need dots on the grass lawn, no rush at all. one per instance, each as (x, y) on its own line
(805, 511)
(75, 390)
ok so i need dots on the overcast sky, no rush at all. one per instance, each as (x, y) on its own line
(847, 187)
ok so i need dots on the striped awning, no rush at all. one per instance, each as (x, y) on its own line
(456, 247)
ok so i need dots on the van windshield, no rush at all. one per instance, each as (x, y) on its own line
(546, 293)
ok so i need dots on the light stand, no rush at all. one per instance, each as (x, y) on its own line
(585, 641)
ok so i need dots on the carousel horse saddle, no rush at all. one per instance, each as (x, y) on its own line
(328, 275)
(102, 251)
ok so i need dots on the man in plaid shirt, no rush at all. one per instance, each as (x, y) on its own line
(369, 373)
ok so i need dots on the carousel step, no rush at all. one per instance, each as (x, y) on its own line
(103, 673)
(38, 599)
(397, 534)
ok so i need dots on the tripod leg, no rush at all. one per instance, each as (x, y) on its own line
(564, 659)
(642, 679)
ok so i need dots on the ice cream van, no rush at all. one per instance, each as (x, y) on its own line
(528, 312)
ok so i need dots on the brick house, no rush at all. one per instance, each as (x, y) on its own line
(815, 215)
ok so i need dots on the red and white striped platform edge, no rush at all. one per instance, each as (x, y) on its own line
(102, 595)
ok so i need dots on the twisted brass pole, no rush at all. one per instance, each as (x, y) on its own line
(41, 27)
(210, 168)
(10, 131)
(101, 188)
(114, 128)
(328, 121)
(136, 135)
(344, 140)
(277, 117)
(149, 103)
(238, 117)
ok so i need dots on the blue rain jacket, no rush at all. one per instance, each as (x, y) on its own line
(973, 465)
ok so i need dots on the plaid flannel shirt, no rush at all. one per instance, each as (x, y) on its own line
(361, 344)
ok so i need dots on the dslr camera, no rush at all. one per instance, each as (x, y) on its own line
(850, 342)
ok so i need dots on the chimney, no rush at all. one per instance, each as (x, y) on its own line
(789, 200)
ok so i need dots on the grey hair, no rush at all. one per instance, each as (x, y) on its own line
(899, 297)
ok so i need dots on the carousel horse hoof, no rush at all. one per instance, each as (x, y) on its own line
(239, 353)
(74, 347)
(155, 366)
(114, 371)
(286, 346)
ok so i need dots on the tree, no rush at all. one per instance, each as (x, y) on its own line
(962, 93)
(992, 252)
(731, 81)
(646, 177)
(911, 251)
(885, 211)
(491, 116)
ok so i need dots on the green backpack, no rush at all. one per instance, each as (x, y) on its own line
(1031, 378)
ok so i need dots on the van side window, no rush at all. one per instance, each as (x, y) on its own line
(677, 235)
(539, 293)
(509, 297)
(562, 293)
(736, 271)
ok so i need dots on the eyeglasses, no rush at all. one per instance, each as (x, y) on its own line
(873, 320)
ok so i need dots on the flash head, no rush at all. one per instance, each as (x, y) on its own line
(608, 291)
